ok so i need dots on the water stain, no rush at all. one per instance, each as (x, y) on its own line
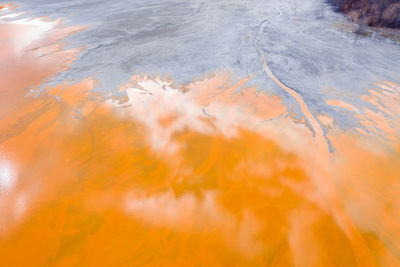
(213, 172)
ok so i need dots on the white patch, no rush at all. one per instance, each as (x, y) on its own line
(8, 177)
(40, 27)
(11, 16)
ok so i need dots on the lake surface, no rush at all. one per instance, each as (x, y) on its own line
(190, 133)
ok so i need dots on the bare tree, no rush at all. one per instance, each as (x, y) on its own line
(396, 26)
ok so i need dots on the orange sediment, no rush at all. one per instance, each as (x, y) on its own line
(207, 173)
(325, 181)
(8, 6)
(341, 104)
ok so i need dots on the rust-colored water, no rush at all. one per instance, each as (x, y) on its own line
(212, 172)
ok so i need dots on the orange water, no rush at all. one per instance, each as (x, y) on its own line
(213, 172)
